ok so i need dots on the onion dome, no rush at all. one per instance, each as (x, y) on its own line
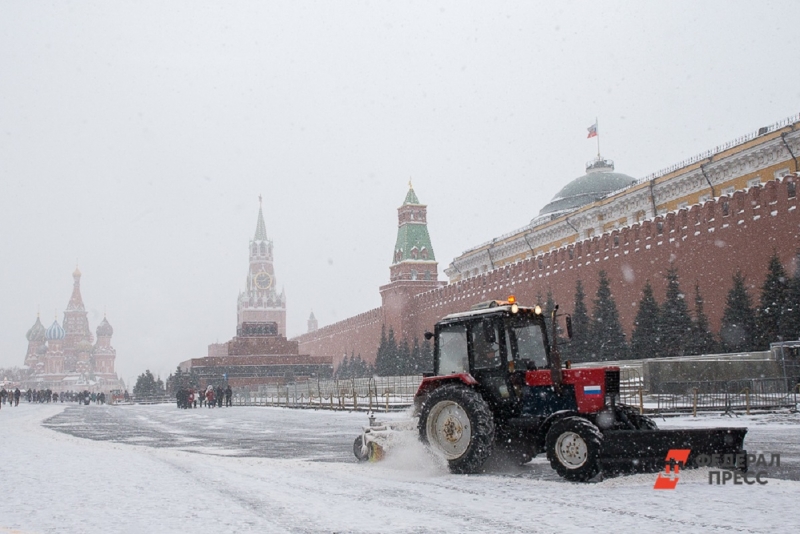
(84, 345)
(55, 332)
(599, 181)
(36, 333)
(104, 329)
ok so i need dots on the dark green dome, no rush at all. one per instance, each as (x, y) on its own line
(597, 183)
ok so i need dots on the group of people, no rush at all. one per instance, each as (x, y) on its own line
(211, 397)
(11, 396)
(47, 395)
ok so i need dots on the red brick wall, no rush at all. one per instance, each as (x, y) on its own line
(705, 245)
(360, 334)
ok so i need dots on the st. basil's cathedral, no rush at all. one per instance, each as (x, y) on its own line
(65, 356)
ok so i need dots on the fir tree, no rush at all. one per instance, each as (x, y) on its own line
(790, 327)
(381, 359)
(404, 363)
(579, 348)
(392, 360)
(416, 360)
(426, 357)
(738, 323)
(771, 310)
(343, 370)
(676, 324)
(646, 336)
(702, 341)
(608, 338)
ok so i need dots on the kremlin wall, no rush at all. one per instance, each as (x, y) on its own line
(725, 210)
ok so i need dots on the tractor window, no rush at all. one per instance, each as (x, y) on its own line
(452, 350)
(485, 344)
(528, 343)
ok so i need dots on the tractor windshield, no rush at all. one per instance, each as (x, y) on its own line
(527, 341)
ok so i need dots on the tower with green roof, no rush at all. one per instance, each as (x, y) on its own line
(413, 270)
(413, 254)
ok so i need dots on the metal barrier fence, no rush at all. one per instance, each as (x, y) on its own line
(631, 388)
(385, 393)
(763, 393)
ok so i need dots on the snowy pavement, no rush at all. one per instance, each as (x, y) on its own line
(158, 469)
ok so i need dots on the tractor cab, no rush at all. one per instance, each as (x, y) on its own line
(495, 344)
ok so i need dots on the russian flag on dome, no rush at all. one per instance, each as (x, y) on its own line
(592, 131)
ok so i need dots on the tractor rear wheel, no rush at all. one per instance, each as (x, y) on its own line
(456, 422)
(573, 448)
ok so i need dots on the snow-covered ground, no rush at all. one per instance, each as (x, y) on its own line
(159, 469)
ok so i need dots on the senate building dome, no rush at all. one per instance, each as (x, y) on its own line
(599, 181)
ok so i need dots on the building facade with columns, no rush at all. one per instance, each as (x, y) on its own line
(602, 201)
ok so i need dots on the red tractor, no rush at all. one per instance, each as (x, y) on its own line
(499, 384)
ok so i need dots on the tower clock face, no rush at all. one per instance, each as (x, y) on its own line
(263, 280)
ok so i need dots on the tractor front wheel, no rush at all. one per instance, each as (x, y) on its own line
(456, 422)
(573, 448)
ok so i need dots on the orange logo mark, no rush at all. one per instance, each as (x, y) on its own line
(674, 460)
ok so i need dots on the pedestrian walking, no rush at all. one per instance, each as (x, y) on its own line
(210, 396)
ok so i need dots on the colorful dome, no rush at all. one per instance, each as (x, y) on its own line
(104, 329)
(55, 332)
(36, 333)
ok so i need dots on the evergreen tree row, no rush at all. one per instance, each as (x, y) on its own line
(398, 359)
(354, 367)
(660, 330)
(669, 329)
(148, 386)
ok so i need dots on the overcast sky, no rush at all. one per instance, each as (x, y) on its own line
(135, 138)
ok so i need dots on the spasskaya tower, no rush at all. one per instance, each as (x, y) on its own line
(260, 303)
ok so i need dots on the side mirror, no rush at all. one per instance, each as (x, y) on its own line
(569, 326)
(428, 335)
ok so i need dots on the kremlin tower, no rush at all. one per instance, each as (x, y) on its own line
(260, 302)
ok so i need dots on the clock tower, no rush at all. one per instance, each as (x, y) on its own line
(260, 303)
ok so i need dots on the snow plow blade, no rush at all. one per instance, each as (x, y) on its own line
(646, 450)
